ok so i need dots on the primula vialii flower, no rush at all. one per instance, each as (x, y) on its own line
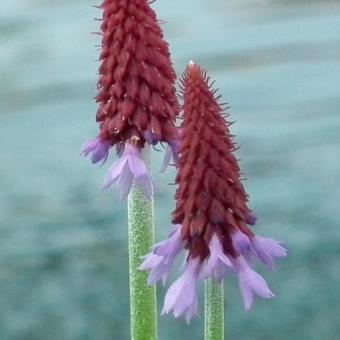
(211, 217)
(136, 94)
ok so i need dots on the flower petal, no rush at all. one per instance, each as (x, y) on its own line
(140, 173)
(246, 293)
(125, 181)
(181, 297)
(151, 260)
(251, 282)
(114, 172)
(251, 219)
(160, 260)
(98, 148)
(267, 249)
(241, 242)
(218, 264)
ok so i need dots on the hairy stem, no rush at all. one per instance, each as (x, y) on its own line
(141, 237)
(214, 310)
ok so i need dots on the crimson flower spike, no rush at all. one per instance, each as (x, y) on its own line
(211, 219)
(136, 94)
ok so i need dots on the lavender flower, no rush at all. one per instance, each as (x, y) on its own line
(241, 243)
(218, 264)
(160, 260)
(250, 283)
(150, 137)
(267, 249)
(98, 148)
(261, 248)
(251, 219)
(181, 297)
(128, 168)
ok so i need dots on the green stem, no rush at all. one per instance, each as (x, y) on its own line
(141, 237)
(214, 310)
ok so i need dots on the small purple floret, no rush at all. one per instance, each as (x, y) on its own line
(241, 243)
(98, 148)
(250, 283)
(128, 168)
(160, 260)
(251, 219)
(218, 265)
(150, 137)
(181, 298)
(267, 249)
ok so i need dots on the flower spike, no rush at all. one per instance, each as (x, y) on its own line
(136, 88)
(212, 216)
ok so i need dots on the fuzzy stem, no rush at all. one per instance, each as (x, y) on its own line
(214, 310)
(141, 237)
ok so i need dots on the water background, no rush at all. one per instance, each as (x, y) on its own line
(63, 243)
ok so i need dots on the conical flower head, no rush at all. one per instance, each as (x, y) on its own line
(136, 97)
(210, 196)
(136, 93)
(212, 216)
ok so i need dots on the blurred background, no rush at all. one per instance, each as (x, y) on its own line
(63, 243)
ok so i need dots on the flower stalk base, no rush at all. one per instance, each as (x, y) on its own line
(214, 310)
(141, 238)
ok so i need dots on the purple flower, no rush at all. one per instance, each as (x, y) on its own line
(250, 283)
(128, 168)
(251, 219)
(98, 148)
(218, 265)
(151, 138)
(241, 243)
(181, 298)
(267, 249)
(160, 260)
(153, 263)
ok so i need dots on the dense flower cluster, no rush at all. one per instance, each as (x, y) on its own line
(212, 218)
(136, 97)
(137, 105)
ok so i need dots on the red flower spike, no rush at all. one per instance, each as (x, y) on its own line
(136, 92)
(211, 216)
(209, 186)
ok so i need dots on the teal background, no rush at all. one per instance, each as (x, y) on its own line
(63, 243)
